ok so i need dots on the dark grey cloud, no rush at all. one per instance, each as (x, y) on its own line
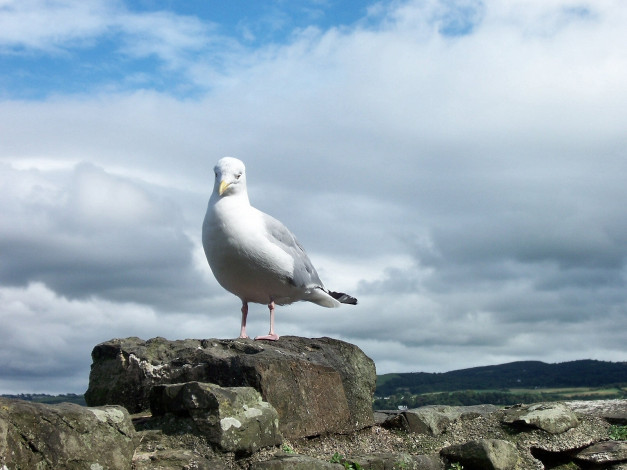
(92, 233)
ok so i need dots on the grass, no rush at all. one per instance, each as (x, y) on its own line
(348, 465)
(567, 390)
(287, 449)
(618, 433)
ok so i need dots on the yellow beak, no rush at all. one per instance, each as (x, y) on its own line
(223, 186)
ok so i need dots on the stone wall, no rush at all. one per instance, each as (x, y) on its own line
(295, 404)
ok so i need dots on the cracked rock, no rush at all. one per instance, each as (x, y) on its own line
(34, 435)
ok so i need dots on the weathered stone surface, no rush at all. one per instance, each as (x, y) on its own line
(381, 416)
(68, 436)
(434, 419)
(483, 454)
(613, 411)
(316, 385)
(175, 459)
(391, 461)
(604, 453)
(295, 462)
(554, 418)
(181, 449)
(233, 418)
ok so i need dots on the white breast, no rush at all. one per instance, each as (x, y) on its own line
(242, 257)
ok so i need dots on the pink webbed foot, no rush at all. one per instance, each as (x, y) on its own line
(270, 337)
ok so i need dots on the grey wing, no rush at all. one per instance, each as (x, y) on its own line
(305, 274)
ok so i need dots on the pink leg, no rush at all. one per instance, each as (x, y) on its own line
(272, 336)
(242, 333)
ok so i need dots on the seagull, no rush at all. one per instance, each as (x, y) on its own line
(253, 255)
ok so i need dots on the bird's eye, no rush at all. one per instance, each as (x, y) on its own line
(237, 176)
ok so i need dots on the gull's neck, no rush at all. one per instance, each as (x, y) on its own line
(239, 198)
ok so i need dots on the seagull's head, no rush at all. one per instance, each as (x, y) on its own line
(230, 176)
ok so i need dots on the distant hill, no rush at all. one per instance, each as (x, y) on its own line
(49, 399)
(522, 374)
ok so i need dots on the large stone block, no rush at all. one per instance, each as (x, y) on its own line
(316, 385)
(603, 453)
(233, 418)
(295, 462)
(613, 411)
(554, 418)
(483, 454)
(433, 420)
(68, 436)
(394, 461)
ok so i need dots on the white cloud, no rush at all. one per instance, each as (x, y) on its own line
(72, 29)
(50, 26)
(46, 336)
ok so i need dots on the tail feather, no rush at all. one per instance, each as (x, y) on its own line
(343, 298)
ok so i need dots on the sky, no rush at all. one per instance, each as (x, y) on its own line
(457, 165)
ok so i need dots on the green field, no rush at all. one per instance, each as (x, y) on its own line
(571, 392)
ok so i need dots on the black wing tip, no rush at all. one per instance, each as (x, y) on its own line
(343, 298)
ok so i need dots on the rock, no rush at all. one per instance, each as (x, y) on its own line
(174, 450)
(554, 418)
(333, 381)
(233, 418)
(613, 411)
(434, 419)
(176, 459)
(391, 461)
(381, 416)
(428, 462)
(428, 420)
(68, 436)
(603, 453)
(483, 454)
(295, 462)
